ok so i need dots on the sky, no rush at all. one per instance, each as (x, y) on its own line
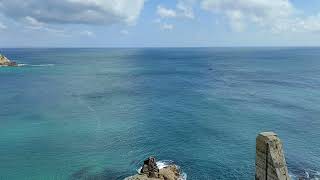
(159, 23)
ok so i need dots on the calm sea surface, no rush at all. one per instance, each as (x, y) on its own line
(97, 113)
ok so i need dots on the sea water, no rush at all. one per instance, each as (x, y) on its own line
(98, 113)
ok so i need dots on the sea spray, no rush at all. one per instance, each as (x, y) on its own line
(165, 163)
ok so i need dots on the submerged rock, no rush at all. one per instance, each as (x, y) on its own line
(150, 171)
(6, 62)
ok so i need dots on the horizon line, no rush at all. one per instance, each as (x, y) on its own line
(146, 47)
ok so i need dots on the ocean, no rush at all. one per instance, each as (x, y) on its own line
(76, 113)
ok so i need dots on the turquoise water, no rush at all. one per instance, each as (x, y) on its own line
(97, 113)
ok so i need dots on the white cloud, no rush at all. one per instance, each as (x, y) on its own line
(74, 11)
(88, 33)
(182, 10)
(33, 23)
(124, 32)
(2, 26)
(311, 24)
(186, 8)
(258, 8)
(166, 26)
(275, 15)
(166, 13)
(163, 25)
(298, 25)
(242, 12)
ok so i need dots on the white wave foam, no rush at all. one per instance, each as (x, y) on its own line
(34, 65)
(19, 65)
(165, 163)
(307, 175)
(42, 65)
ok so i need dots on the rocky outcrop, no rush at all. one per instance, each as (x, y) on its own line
(270, 163)
(150, 171)
(150, 168)
(270, 160)
(6, 62)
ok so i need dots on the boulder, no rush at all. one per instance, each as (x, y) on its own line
(150, 171)
(6, 62)
(150, 168)
(171, 172)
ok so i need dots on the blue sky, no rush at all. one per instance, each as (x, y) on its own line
(159, 23)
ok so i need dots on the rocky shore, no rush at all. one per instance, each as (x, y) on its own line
(6, 62)
(270, 163)
(150, 171)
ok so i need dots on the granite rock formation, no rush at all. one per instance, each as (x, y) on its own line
(150, 171)
(270, 160)
(6, 62)
(150, 168)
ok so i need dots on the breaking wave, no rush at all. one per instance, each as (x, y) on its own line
(41, 65)
(166, 163)
(35, 65)
(22, 65)
(307, 174)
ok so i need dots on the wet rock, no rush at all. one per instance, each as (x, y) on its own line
(6, 62)
(171, 172)
(150, 168)
(150, 171)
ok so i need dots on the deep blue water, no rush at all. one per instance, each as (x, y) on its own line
(97, 113)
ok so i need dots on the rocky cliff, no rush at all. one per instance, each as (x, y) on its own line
(270, 159)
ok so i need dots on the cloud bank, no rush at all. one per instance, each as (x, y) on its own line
(276, 15)
(98, 12)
